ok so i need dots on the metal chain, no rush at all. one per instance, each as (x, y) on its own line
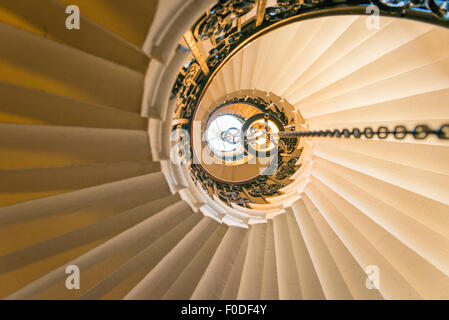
(400, 132)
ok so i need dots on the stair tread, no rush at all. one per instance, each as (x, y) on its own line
(47, 19)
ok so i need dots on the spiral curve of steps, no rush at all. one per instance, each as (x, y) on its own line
(86, 176)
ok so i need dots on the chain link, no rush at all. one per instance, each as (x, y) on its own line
(400, 132)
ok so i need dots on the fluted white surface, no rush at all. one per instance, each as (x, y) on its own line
(84, 182)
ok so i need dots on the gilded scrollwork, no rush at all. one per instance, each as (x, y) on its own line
(287, 169)
(262, 187)
(222, 20)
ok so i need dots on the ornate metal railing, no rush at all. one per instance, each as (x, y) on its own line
(241, 194)
(229, 28)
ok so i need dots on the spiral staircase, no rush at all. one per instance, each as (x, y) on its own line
(91, 176)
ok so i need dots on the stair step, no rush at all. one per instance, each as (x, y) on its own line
(231, 289)
(403, 273)
(411, 233)
(48, 19)
(332, 282)
(99, 230)
(353, 274)
(287, 275)
(308, 279)
(214, 280)
(379, 44)
(22, 185)
(24, 105)
(426, 77)
(79, 207)
(417, 106)
(34, 146)
(423, 182)
(119, 282)
(105, 257)
(434, 217)
(189, 279)
(159, 280)
(59, 69)
(131, 20)
(252, 273)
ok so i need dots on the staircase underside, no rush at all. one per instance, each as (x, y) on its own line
(86, 179)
